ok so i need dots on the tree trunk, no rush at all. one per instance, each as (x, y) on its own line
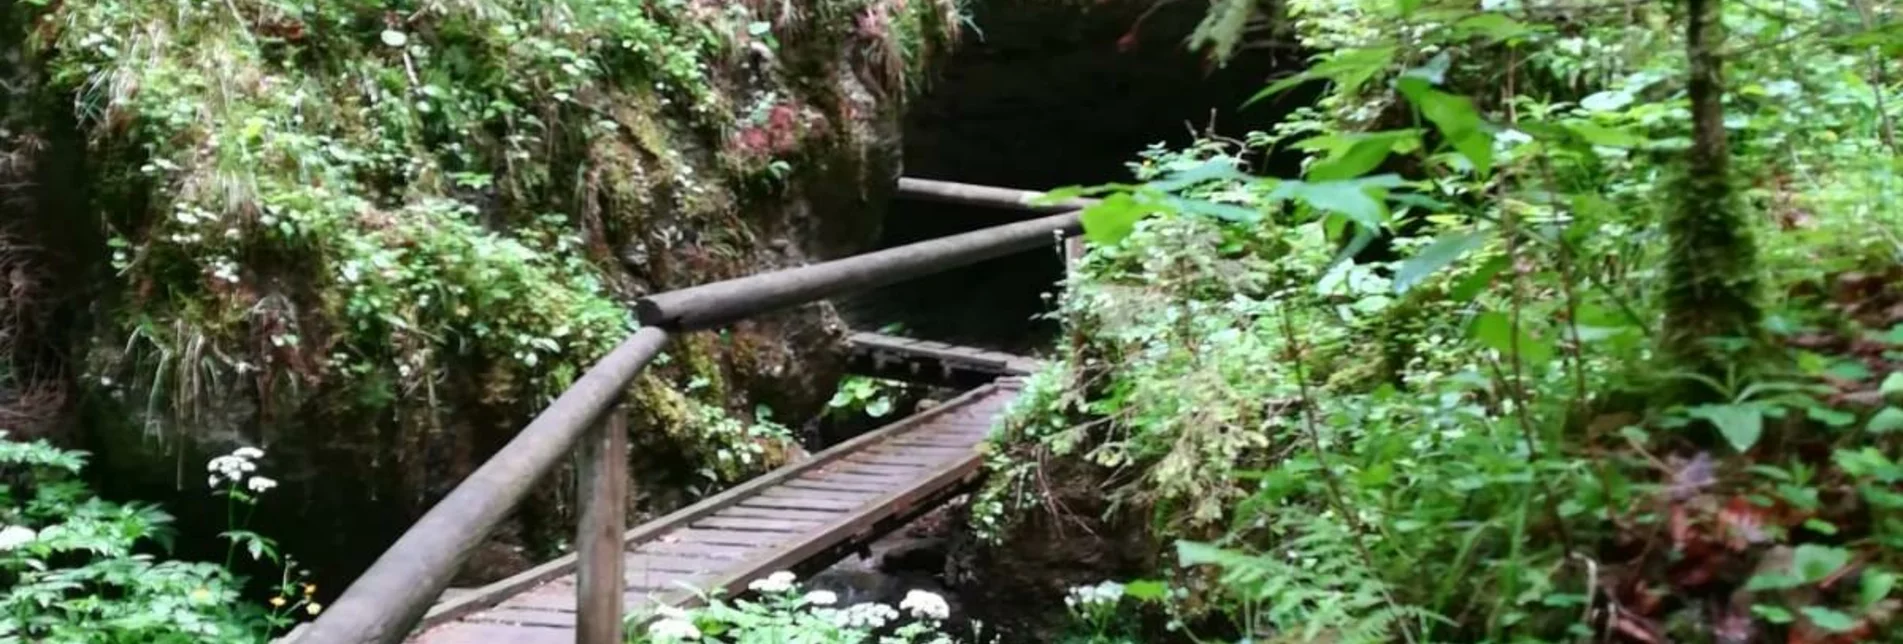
(1711, 268)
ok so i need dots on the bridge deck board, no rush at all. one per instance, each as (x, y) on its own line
(779, 520)
(880, 347)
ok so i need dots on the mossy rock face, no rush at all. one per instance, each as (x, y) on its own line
(375, 237)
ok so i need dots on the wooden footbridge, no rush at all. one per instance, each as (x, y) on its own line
(810, 511)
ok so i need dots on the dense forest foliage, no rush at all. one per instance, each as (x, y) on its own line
(1581, 321)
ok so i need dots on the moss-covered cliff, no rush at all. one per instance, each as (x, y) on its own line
(374, 236)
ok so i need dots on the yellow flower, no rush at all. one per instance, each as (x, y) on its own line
(310, 589)
(200, 594)
(277, 601)
(314, 608)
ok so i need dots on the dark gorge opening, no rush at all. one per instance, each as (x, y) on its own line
(1040, 96)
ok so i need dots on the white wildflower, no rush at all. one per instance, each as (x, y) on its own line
(248, 453)
(214, 481)
(14, 536)
(778, 582)
(670, 629)
(869, 615)
(261, 484)
(822, 598)
(925, 605)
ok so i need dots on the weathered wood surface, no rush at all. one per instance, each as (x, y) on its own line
(841, 497)
(909, 358)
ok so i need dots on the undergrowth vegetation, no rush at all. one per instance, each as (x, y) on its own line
(1440, 386)
(77, 568)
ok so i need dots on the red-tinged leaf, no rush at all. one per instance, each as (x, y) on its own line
(1636, 628)
(1742, 523)
(1681, 527)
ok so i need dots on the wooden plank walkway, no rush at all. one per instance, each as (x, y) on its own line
(881, 353)
(840, 498)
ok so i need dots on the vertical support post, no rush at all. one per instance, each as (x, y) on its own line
(604, 496)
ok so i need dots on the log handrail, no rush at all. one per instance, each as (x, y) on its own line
(392, 595)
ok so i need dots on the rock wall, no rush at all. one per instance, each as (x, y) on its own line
(373, 238)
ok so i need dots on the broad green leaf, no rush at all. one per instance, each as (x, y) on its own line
(879, 407)
(1492, 26)
(1348, 68)
(1875, 586)
(1495, 331)
(1445, 250)
(1109, 221)
(1829, 619)
(1146, 589)
(1223, 211)
(1456, 118)
(1888, 420)
(1221, 168)
(1472, 285)
(1741, 424)
(1892, 384)
(1813, 562)
(1353, 160)
(1348, 198)
(1772, 613)
(1601, 135)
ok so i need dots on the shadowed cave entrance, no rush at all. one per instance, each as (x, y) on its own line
(1043, 95)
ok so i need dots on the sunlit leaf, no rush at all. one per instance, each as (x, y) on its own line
(1740, 424)
(1875, 586)
(1146, 589)
(1348, 68)
(1109, 221)
(1829, 619)
(1456, 118)
(1889, 419)
(1444, 251)
(1597, 134)
(1813, 562)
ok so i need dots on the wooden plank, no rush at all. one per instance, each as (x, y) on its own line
(899, 459)
(803, 488)
(697, 550)
(638, 563)
(757, 525)
(529, 616)
(723, 537)
(481, 632)
(604, 493)
(900, 472)
(768, 511)
(811, 501)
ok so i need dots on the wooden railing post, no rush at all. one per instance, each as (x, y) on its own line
(604, 517)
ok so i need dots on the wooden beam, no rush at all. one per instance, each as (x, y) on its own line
(721, 303)
(985, 196)
(387, 600)
(604, 516)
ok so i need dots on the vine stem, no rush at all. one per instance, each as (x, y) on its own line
(1335, 495)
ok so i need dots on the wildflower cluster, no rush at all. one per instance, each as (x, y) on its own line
(784, 612)
(236, 469)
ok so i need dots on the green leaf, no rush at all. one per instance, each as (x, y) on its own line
(1772, 613)
(1456, 118)
(1741, 424)
(1472, 285)
(1875, 586)
(1492, 26)
(1820, 526)
(1829, 619)
(1892, 384)
(1888, 420)
(1146, 589)
(1814, 562)
(1601, 135)
(1223, 211)
(1352, 160)
(1348, 68)
(879, 407)
(1495, 331)
(1349, 198)
(1444, 251)
(1109, 221)
(1216, 169)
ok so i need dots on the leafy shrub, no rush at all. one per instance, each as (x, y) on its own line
(784, 613)
(76, 568)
